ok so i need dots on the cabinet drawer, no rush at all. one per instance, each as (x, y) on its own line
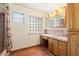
(55, 41)
(44, 37)
(62, 43)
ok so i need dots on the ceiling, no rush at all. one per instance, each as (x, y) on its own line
(45, 7)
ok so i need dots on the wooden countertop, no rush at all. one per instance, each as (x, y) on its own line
(56, 37)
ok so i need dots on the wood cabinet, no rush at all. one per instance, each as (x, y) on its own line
(72, 16)
(62, 48)
(50, 45)
(57, 47)
(53, 46)
(44, 41)
(41, 41)
(73, 47)
(72, 23)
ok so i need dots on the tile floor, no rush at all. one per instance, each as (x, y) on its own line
(33, 51)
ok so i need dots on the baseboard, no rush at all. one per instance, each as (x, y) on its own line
(23, 48)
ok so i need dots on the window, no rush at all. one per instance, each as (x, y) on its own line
(17, 18)
(35, 24)
(56, 22)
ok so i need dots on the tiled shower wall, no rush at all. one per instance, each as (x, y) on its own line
(57, 32)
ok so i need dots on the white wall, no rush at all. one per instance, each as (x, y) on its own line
(20, 39)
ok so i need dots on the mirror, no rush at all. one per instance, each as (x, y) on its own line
(57, 19)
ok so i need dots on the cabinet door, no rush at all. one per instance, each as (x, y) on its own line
(62, 48)
(55, 46)
(72, 16)
(74, 45)
(50, 45)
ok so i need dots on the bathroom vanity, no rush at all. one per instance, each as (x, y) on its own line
(56, 45)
